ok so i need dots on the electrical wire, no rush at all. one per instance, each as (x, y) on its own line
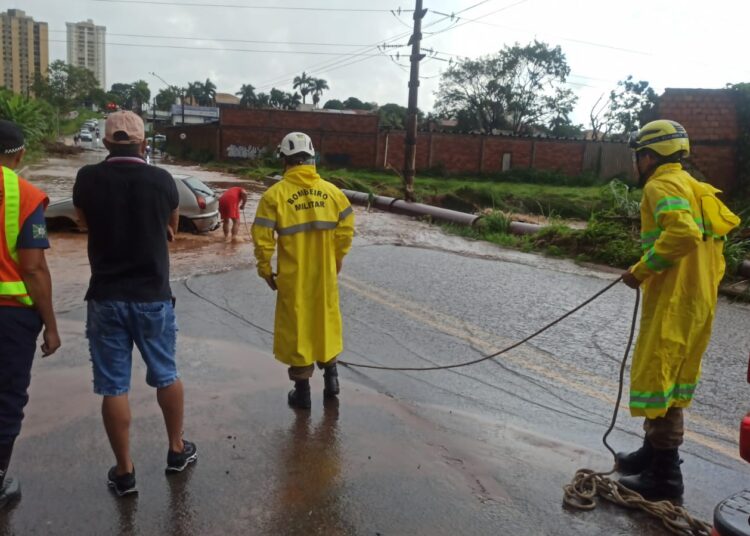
(251, 50)
(242, 6)
(500, 352)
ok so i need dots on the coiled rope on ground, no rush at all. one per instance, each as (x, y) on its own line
(586, 484)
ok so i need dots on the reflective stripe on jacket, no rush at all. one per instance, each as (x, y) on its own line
(312, 222)
(680, 271)
(19, 200)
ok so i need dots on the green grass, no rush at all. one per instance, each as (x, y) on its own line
(467, 194)
(611, 236)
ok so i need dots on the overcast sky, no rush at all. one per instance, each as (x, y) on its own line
(691, 43)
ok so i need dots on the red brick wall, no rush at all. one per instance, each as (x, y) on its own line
(710, 118)
(463, 153)
(197, 138)
(340, 139)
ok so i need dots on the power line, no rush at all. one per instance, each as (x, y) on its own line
(256, 51)
(242, 6)
(467, 21)
(251, 41)
(345, 62)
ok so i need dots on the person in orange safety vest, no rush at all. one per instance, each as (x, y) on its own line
(25, 296)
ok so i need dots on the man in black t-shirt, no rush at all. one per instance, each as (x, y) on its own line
(131, 210)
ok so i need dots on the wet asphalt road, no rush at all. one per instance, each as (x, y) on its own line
(479, 450)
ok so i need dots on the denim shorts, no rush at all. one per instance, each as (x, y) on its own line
(113, 326)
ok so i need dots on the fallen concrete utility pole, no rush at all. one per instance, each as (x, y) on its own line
(399, 206)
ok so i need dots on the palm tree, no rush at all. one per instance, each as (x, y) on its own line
(318, 87)
(194, 92)
(262, 100)
(291, 101)
(276, 98)
(247, 95)
(209, 93)
(304, 84)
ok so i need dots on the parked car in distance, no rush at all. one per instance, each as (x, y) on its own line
(199, 208)
(85, 135)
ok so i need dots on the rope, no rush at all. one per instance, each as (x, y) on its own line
(491, 356)
(587, 484)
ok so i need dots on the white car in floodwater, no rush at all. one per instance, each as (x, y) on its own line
(199, 208)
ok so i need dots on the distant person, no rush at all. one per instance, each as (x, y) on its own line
(683, 226)
(25, 296)
(148, 154)
(231, 203)
(129, 297)
(76, 139)
(313, 223)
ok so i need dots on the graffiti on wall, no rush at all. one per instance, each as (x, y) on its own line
(244, 151)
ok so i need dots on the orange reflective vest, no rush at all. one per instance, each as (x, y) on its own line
(19, 200)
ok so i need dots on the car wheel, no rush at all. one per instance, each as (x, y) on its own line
(187, 226)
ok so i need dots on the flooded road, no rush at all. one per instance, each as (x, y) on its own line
(479, 450)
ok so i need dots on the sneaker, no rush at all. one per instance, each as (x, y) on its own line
(121, 484)
(178, 461)
(10, 491)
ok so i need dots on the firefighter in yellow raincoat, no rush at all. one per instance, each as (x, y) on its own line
(683, 226)
(313, 223)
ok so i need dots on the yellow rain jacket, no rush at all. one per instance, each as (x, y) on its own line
(314, 223)
(681, 268)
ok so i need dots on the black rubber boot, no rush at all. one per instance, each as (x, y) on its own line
(299, 397)
(661, 480)
(637, 461)
(331, 381)
(10, 490)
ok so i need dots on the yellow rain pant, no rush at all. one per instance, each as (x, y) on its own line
(313, 223)
(681, 268)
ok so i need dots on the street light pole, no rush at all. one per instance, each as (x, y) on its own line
(176, 89)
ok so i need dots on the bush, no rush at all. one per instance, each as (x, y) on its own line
(35, 117)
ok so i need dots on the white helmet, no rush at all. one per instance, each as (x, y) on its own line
(296, 142)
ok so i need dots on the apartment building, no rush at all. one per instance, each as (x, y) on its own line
(86, 43)
(24, 47)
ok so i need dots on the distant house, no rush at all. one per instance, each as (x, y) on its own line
(227, 100)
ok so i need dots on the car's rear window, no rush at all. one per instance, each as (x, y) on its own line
(197, 186)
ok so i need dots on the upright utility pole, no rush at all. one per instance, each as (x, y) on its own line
(410, 145)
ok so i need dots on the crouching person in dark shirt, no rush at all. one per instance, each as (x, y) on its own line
(131, 210)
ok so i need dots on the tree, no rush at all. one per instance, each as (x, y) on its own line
(139, 95)
(247, 95)
(167, 97)
(291, 101)
(262, 100)
(318, 86)
(194, 92)
(276, 98)
(120, 94)
(394, 115)
(304, 84)
(66, 86)
(353, 103)
(208, 94)
(629, 105)
(333, 104)
(521, 88)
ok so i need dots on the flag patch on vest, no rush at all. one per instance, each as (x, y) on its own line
(39, 231)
